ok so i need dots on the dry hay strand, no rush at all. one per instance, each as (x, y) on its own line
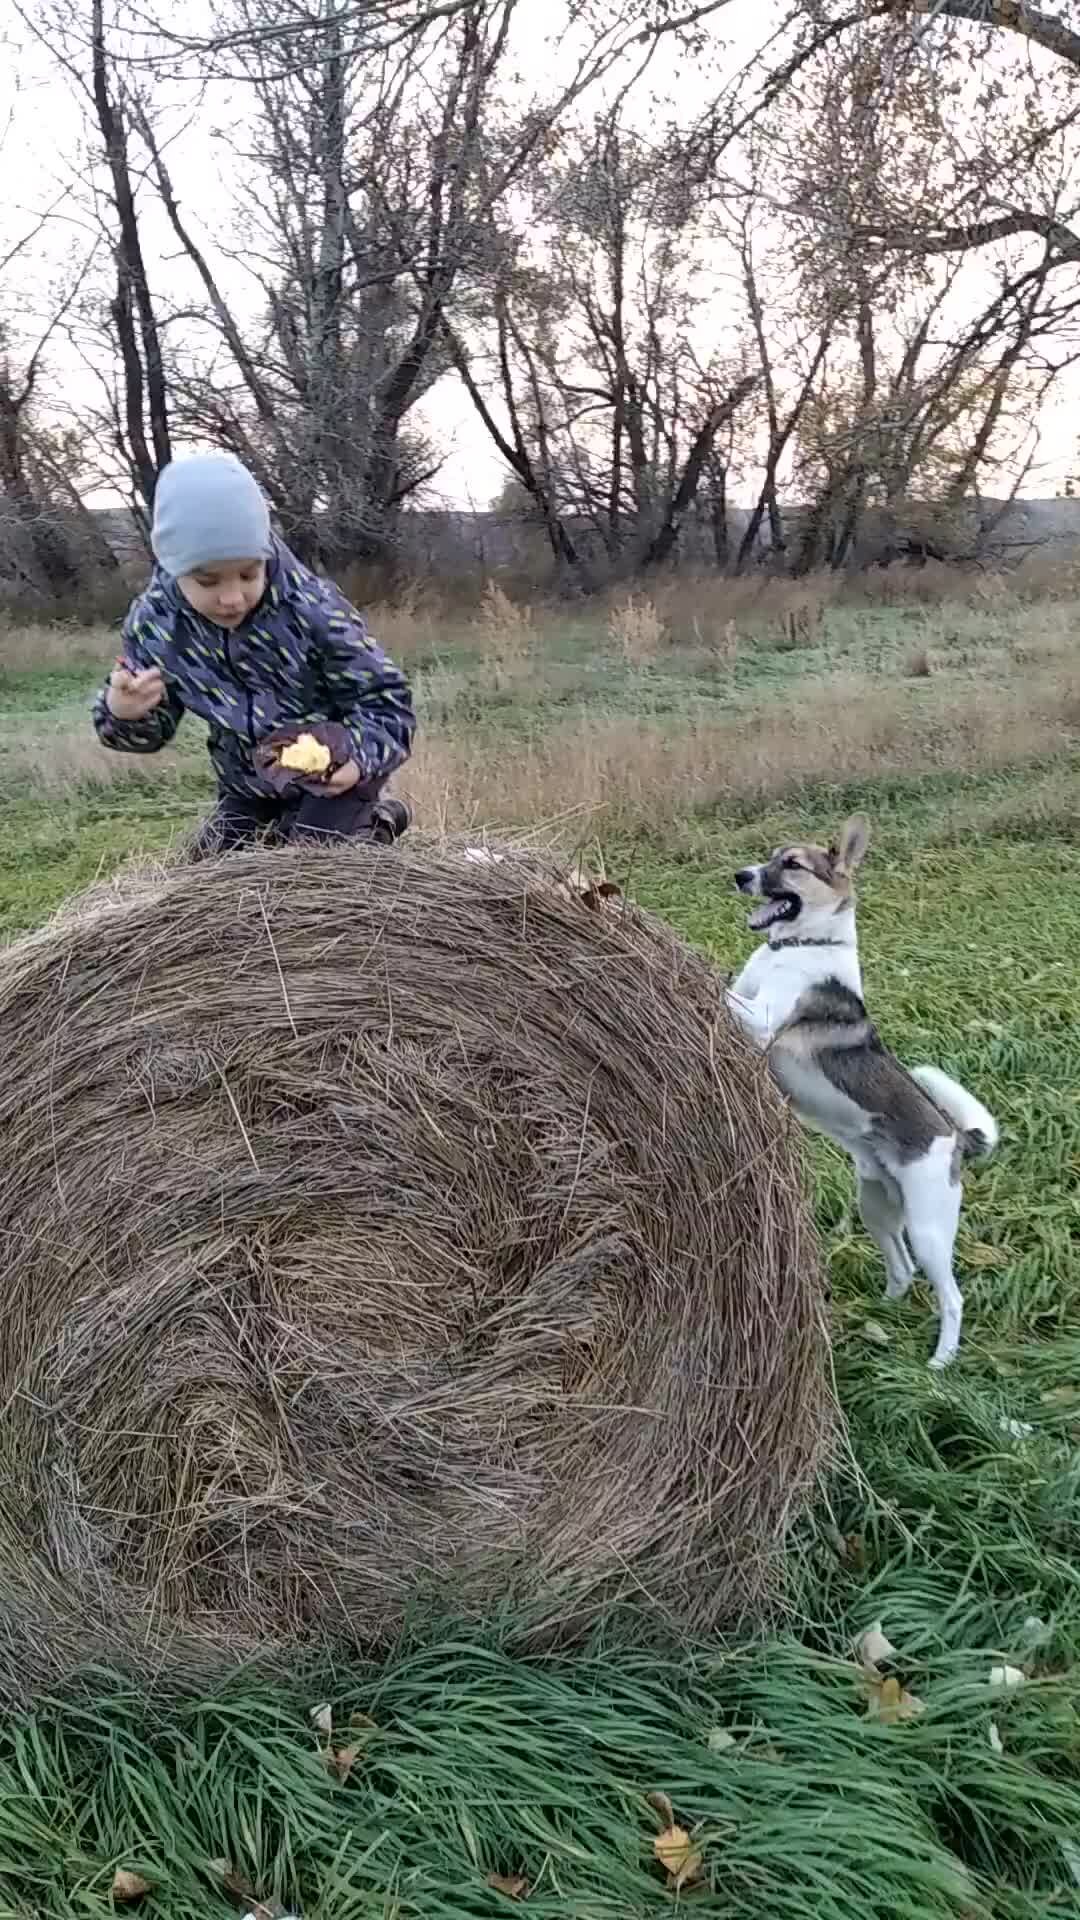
(382, 1229)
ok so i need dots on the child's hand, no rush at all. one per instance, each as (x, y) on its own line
(131, 696)
(344, 779)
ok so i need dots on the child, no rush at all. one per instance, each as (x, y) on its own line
(234, 629)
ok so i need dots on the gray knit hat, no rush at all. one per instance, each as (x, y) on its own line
(208, 508)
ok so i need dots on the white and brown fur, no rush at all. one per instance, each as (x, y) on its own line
(909, 1133)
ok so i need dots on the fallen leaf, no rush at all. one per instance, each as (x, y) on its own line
(873, 1648)
(675, 1851)
(890, 1703)
(849, 1548)
(873, 1331)
(1016, 1429)
(234, 1882)
(721, 1741)
(128, 1886)
(363, 1723)
(514, 1885)
(1006, 1677)
(322, 1718)
(996, 1741)
(660, 1804)
(341, 1760)
(241, 1888)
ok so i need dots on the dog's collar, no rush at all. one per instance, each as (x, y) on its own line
(776, 944)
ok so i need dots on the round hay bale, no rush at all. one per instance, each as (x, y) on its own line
(382, 1230)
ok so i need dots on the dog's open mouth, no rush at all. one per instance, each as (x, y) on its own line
(778, 907)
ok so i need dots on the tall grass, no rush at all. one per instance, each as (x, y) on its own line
(653, 753)
(636, 628)
(624, 775)
(428, 616)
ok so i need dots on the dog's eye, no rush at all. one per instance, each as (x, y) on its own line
(792, 866)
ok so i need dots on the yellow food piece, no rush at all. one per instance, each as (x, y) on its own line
(305, 754)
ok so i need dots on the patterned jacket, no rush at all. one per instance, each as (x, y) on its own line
(302, 656)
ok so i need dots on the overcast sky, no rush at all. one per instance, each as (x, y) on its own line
(41, 160)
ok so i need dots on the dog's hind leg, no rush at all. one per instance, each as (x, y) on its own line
(932, 1196)
(882, 1210)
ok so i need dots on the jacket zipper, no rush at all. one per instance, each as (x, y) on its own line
(249, 698)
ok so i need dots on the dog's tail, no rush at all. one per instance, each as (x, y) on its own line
(975, 1124)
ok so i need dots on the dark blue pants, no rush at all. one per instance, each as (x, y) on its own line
(242, 819)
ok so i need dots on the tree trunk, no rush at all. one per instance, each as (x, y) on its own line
(777, 449)
(140, 349)
(662, 544)
(515, 453)
(718, 514)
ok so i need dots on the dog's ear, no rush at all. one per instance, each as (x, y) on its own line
(851, 844)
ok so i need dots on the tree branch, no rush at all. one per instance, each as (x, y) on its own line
(230, 330)
(979, 233)
(1010, 16)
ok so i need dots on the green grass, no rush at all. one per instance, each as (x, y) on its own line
(48, 853)
(469, 1765)
(63, 837)
(956, 1523)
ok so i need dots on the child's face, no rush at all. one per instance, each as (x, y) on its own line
(226, 592)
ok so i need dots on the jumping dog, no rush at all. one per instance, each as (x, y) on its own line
(909, 1134)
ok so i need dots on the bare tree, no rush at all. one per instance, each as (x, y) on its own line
(1040, 29)
(146, 413)
(925, 379)
(614, 418)
(358, 223)
(135, 424)
(50, 562)
(372, 197)
(381, 147)
(46, 528)
(410, 209)
(789, 358)
(524, 442)
(382, 29)
(1012, 111)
